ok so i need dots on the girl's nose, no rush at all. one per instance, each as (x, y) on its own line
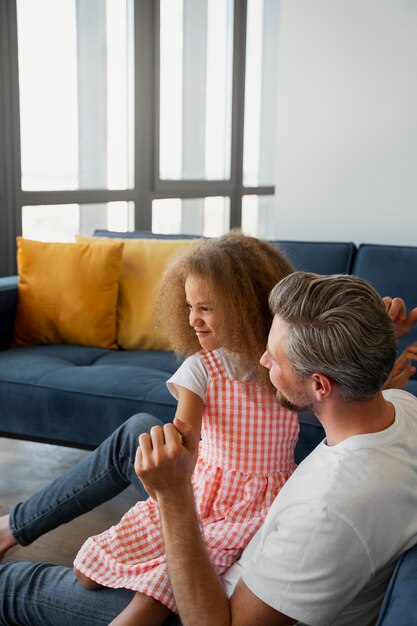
(194, 319)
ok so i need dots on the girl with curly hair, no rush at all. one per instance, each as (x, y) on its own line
(212, 304)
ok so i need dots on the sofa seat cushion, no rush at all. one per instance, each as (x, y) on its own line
(51, 392)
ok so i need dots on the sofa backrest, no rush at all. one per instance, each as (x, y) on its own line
(141, 234)
(310, 256)
(392, 271)
(320, 257)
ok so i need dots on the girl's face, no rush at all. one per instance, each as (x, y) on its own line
(204, 317)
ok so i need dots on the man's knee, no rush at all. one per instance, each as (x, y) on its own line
(140, 423)
(124, 444)
(126, 437)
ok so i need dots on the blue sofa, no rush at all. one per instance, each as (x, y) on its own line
(77, 396)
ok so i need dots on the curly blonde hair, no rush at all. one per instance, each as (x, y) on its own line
(240, 271)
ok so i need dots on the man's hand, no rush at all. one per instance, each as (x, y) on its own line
(397, 311)
(403, 368)
(166, 458)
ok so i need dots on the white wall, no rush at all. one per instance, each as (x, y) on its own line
(347, 121)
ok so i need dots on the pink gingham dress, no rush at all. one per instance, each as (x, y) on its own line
(246, 454)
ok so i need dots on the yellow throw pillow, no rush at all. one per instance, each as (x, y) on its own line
(143, 263)
(67, 293)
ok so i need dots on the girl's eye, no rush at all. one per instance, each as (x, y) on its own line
(204, 309)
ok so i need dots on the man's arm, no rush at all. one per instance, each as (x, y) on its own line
(165, 464)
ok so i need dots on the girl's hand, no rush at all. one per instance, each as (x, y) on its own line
(397, 311)
(402, 369)
(166, 458)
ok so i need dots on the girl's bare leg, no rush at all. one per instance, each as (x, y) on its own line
(142, 610)
(86, 582)
(7, 540)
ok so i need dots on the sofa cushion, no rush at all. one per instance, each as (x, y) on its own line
(400, 601)
(142, 265)
(320, 257)
(392, 271)
(79, 395)
(67, 293)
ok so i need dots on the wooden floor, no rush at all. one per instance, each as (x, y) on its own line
(26, 467)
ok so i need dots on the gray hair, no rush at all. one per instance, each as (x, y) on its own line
(338, 326)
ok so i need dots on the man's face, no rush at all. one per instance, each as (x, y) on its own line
(291, 390)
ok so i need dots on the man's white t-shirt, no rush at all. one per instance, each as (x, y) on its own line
(334, 533)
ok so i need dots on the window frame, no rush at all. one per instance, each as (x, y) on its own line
(147, 185)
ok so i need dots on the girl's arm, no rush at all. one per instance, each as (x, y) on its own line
(189, 409)
(189, 386)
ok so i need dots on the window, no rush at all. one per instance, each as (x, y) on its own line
(206, 216)
(260, 92)
(146, 114)
(195, 89)
(76, 111)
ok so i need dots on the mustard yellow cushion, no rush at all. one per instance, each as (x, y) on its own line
(143, 263)
(67, 293)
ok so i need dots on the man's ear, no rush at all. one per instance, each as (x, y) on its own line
(322, 386)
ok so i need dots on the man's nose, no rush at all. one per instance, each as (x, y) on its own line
(265, 360)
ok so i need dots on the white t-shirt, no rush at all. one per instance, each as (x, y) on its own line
(194, 375)
(334, 533)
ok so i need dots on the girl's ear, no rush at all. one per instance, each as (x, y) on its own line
(322, 386)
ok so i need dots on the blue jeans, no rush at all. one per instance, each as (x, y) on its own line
(101, 475)
(41, 594)
(35, 594)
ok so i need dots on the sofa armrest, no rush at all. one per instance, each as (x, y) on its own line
(8, 305)
(400, 600)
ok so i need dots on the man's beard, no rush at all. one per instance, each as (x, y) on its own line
(287, 404)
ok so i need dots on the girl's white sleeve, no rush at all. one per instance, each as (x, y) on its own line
(193, 375)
